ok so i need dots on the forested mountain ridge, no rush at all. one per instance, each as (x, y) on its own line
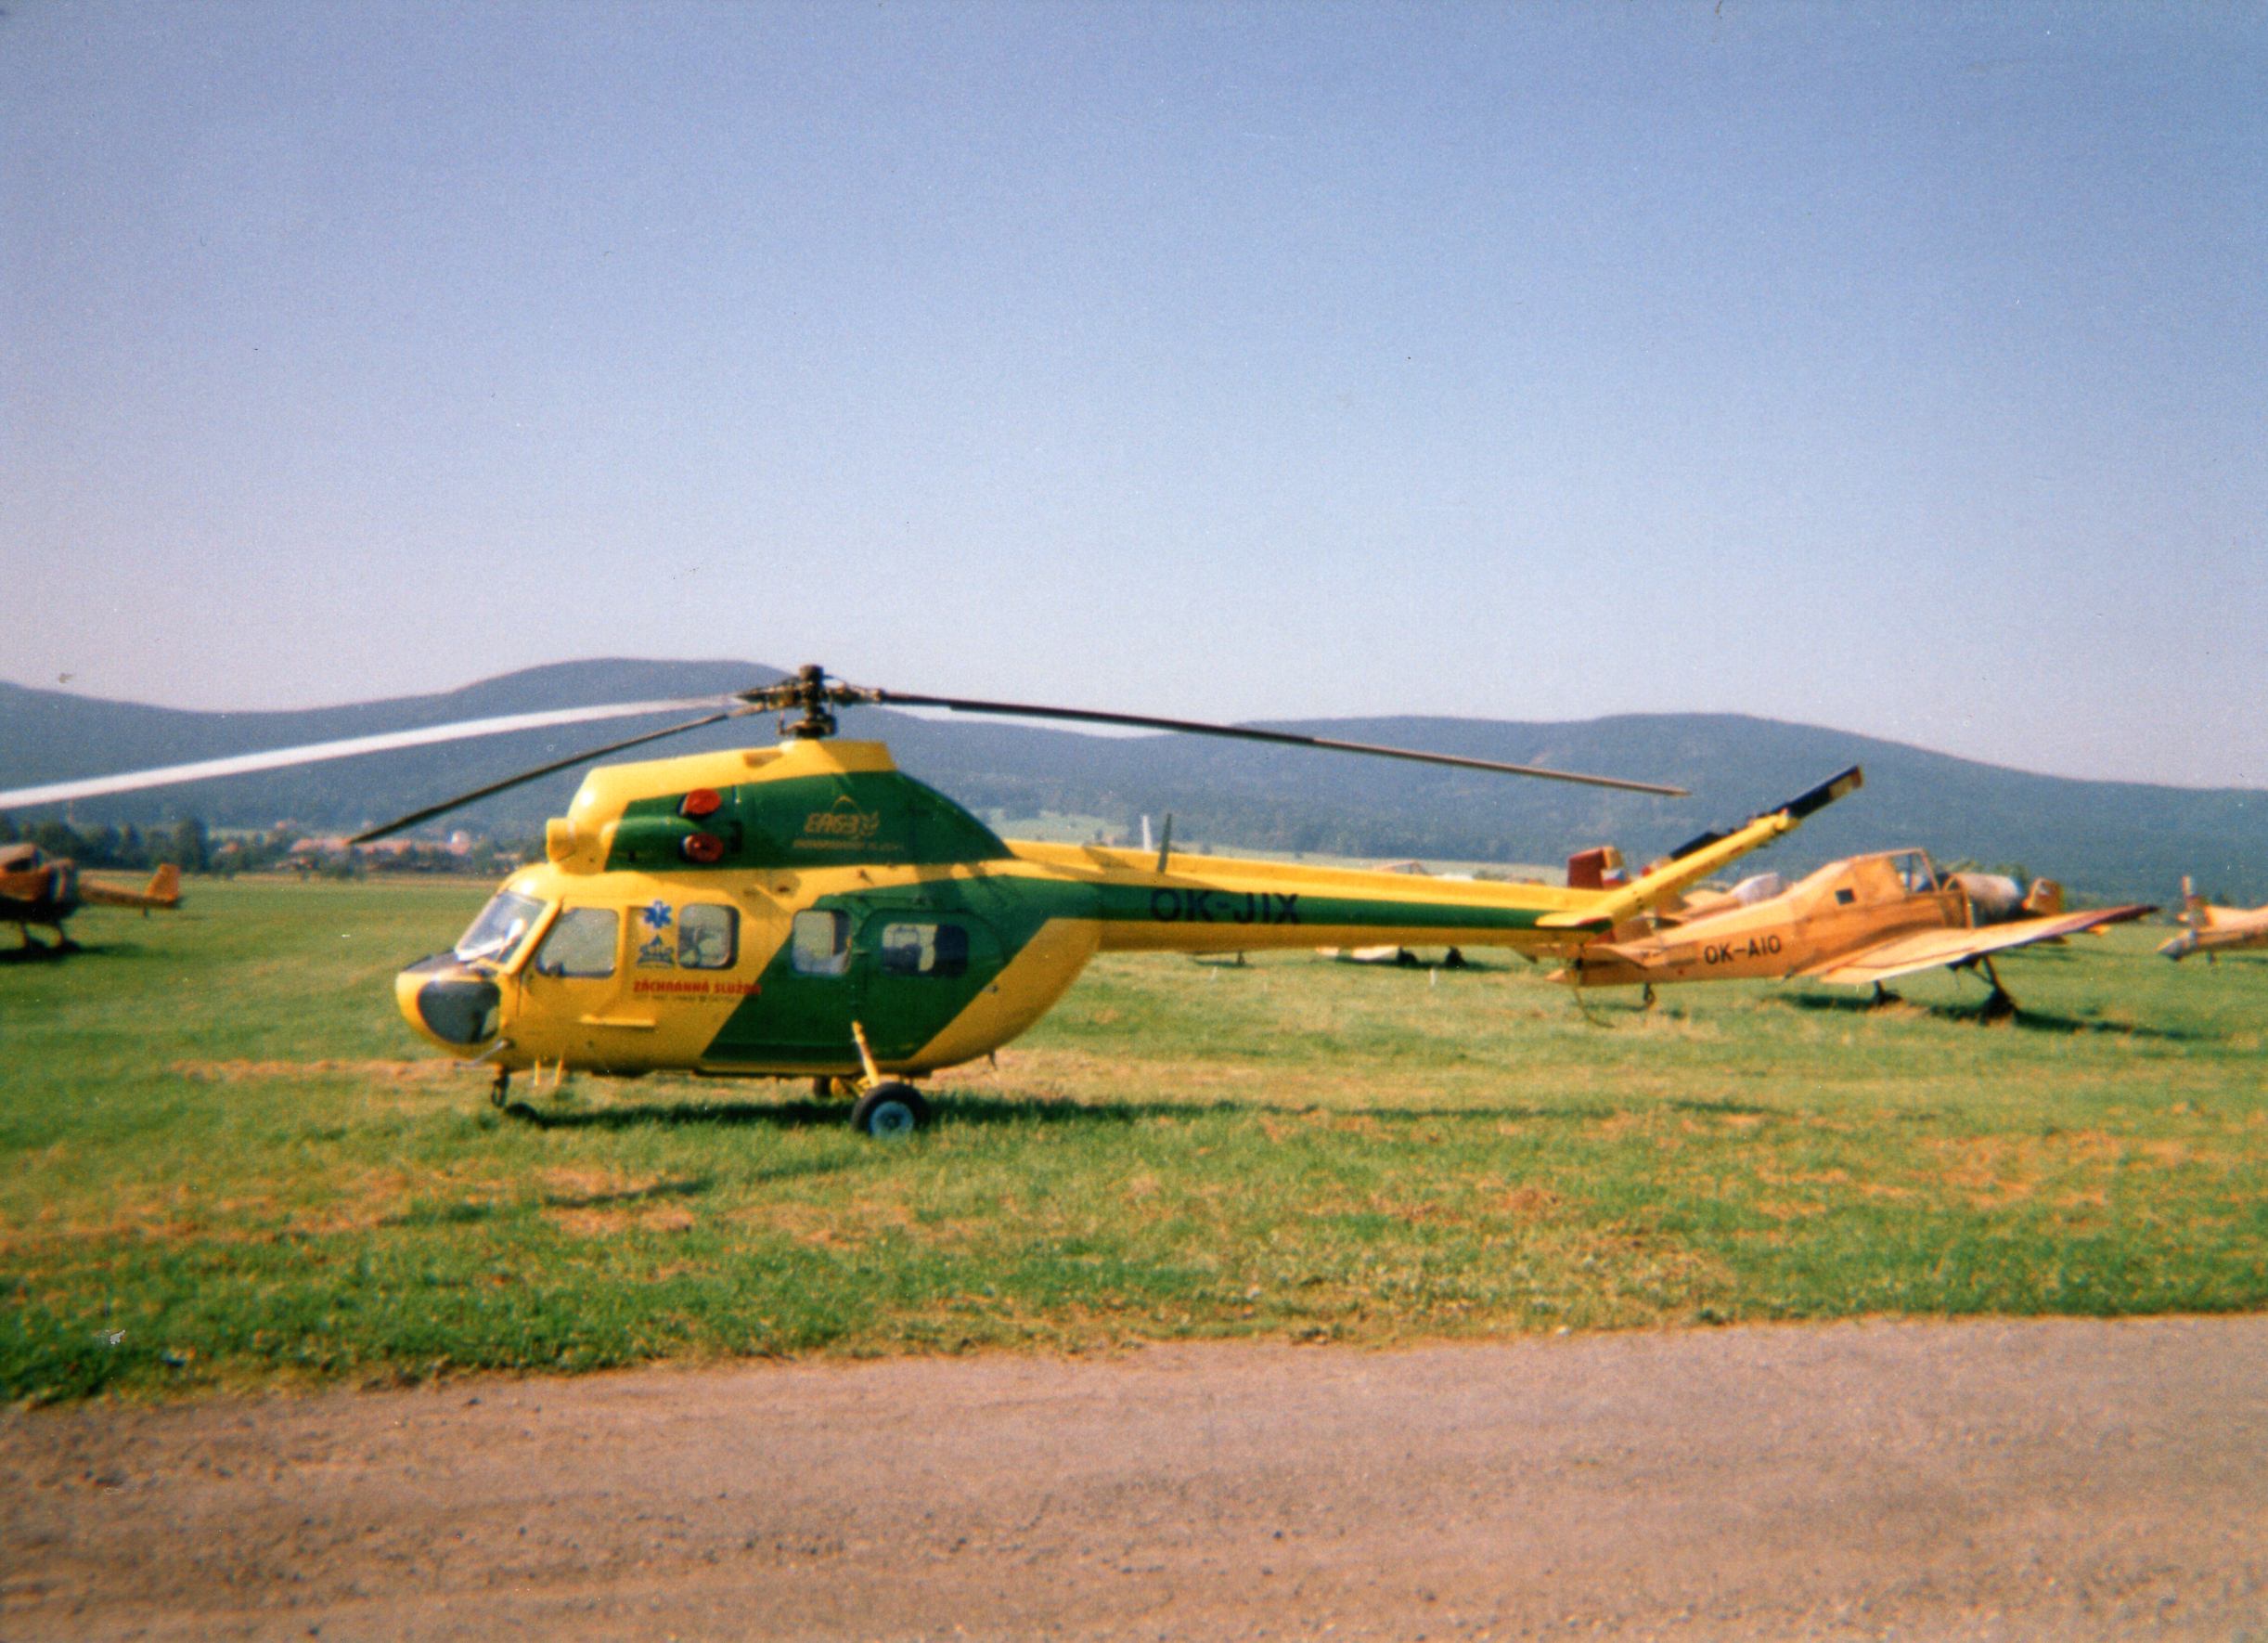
(2105, 839)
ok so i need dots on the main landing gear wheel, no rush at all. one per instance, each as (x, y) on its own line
(890, 1109)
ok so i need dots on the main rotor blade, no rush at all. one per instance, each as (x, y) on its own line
(1246, 733)
(318, 752)
(447, 805)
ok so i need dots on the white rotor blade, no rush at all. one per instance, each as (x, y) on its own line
(316, 752)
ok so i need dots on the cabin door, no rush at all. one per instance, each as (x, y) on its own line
(917, 969)
(575, 979)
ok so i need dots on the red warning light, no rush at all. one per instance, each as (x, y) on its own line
(704, 847)
(701, 801)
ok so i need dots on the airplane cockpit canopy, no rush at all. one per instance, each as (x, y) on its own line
(1914, 871)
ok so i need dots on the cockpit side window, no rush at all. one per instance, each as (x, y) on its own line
(581, 942)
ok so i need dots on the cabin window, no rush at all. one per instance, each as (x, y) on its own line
(580, 942)
(503, 924)
(924, 950)
(708, 937)
(1845, 898)
(821, 942)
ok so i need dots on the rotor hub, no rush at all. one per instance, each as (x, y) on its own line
(811, 697)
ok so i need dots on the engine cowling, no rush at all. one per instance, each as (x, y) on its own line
(1994, 897)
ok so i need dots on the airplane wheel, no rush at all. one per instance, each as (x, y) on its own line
(890, 1109)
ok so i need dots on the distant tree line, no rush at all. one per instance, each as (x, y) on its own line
(192, 847)
(185, 844)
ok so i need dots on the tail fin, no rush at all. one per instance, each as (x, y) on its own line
(164, 887)
(2196, 913)
(2044, 899)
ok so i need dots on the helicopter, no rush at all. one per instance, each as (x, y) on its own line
(807, 911)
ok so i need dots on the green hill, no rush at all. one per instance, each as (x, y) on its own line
(2123, 840)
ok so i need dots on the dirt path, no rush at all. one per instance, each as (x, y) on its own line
(1978, 1481)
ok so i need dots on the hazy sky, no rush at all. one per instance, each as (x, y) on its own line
(1898, 369)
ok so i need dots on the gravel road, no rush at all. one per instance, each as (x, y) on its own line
(2060, 1479)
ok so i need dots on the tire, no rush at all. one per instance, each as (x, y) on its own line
(889, 1111)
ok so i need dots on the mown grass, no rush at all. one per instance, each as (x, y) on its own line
(224, 1162)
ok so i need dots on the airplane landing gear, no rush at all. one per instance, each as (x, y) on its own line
(1998, 1005)
(500, 1091)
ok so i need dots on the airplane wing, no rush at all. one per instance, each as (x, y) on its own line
(1925, 950)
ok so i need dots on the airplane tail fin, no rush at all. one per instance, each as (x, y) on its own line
(2194, 917)
(2044, 899)
(2196, 913)
(164, 887)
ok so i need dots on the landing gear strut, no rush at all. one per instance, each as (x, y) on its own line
(1998, 1005)
(890, 1107)
(500, 1090)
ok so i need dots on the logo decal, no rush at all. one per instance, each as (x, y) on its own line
(654, 915)
(656, 956)
(842, 822)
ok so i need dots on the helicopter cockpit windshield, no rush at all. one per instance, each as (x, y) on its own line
(504, 924)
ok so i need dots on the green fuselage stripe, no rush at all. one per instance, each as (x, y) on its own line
(799, 1020)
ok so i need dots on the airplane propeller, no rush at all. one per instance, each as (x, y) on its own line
(809, 693)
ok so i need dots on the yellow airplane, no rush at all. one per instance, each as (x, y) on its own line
(1864, 920)
(807, 911)
(2215, 930)
(37, 889)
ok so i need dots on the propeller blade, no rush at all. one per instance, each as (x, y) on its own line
(316, 752)
(447, 805)
(1246, 733)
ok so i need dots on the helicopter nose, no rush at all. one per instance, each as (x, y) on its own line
(458, 1007)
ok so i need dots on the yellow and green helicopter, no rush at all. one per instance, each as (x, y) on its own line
(807, 911)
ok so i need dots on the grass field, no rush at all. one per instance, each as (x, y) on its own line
(224, 1162)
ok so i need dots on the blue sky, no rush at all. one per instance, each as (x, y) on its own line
(1901, 369)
